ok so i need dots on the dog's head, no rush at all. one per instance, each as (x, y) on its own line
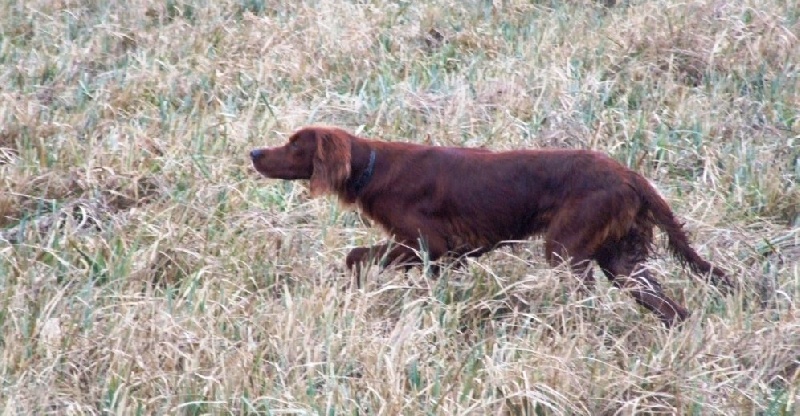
(321, 154)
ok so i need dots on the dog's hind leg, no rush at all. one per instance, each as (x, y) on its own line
(581, 227)
(621, 262)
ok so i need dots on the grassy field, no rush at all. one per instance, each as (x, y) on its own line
(145, 268)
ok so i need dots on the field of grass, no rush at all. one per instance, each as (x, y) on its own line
(145, 268)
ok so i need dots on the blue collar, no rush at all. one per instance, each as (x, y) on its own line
(366, 175)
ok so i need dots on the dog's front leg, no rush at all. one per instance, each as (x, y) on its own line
(360, 257)
(382, 255)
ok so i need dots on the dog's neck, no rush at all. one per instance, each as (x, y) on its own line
(365, 176)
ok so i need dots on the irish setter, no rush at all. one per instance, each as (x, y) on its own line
(451, 201)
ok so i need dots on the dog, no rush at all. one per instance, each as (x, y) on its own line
(456, 202)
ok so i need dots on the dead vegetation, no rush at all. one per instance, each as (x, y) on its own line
(146, 268)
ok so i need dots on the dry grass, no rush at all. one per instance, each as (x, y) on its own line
(145, 268)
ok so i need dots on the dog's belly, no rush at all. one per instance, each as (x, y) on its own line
(464, 237)
(458, 246)
(464, 240)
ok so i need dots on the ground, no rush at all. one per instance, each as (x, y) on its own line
(146, 268)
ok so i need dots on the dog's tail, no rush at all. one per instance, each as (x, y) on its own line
(677, 239)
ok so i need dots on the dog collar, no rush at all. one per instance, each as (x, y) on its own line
(366, 175)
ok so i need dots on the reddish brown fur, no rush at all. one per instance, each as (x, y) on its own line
(465, 202)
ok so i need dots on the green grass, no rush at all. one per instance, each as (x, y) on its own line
(145, 268)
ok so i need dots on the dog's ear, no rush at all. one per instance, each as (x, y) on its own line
(331, 162)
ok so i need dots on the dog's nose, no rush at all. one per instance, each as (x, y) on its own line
(255, 154)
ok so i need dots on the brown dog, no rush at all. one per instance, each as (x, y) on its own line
(458, 202)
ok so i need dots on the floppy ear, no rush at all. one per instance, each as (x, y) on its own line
(331, 162)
